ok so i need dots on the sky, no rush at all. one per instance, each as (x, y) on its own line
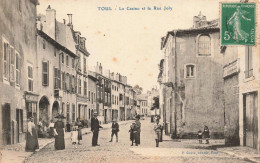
(128, 41)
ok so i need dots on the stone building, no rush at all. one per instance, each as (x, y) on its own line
(83, 95)
(18, 81)
(142, 104)
(193, 79)
(92, 92)
(241, 92)
(115, 96)
(56, 61)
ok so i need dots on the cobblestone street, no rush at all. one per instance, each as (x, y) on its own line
(169, 151)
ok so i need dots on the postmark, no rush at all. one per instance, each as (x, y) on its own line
(238, 23)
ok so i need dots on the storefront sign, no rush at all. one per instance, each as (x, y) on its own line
(231, 69)
(31, 98)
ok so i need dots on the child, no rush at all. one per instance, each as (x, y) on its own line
(74, 136)
(132, 133)
(200, 136)
(206, 134)
(157, 132)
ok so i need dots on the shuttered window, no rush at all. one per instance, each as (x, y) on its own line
(18, 69)
(249, 62)
(45, 73)
(30, 78)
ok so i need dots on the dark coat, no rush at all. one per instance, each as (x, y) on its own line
(115, 127)
(95, 124)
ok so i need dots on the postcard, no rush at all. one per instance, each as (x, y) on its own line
(129, 81)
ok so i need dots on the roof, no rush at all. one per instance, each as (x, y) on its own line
(55, 43)
(141, 97)
(212, 26)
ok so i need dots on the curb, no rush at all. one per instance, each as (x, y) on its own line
(85, 133)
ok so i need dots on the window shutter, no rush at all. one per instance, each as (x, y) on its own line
(45, 73)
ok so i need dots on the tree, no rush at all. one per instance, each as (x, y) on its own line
(138, 89)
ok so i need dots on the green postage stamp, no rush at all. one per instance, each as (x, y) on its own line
(238, 23)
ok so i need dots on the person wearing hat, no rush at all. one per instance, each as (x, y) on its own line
(115, 129)
(95, 129)
(59, 130)
(31, 137)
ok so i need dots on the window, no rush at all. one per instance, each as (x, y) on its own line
(112, 99)
(73, 113)
(72, 63)
(70, 83)
(190, 71)
(109, 98)
(57, 75)
(249, 62)
(85, 88)
(92, 97)
(45, 73)
(85, 65)
(12, 63)
(98, 93)
(105, 97)
(63, 81)
(117, 100)
(68, 112)
(43, 44)
(18, 69)
(67, 60)
(30, 78)
(79, 91)
(88, 95)
(67, 82)
(6, 61)
(204, 48)
(73, 84)
(62, 58)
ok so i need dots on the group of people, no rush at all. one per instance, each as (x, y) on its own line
(135, 131)
(204, 134)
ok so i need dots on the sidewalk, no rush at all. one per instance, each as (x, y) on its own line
(16, 153)
(242, 152)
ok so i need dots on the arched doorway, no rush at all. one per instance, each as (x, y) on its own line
(55, 109)
(43, 109)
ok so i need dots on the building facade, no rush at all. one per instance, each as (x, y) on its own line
(193, 77)
(18, 81)
(241, 90)
(56, 62)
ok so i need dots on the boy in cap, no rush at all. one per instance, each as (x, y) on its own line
(115, 129)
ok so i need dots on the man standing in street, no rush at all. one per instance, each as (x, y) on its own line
(95, 129)
(115, 129)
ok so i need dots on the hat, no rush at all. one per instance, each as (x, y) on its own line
(60, 116)
(95, 113)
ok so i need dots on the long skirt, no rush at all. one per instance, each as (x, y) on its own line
(32, 141)
(79, 134)
(137, 138)
(59, 142)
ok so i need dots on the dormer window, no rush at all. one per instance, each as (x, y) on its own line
(204, 45)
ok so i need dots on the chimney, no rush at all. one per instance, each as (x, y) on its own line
(70, 21)
(50, 22)
(64, 21)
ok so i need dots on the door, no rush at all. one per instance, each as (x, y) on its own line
(6, 124)
(251, 120)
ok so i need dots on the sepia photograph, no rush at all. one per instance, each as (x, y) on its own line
(134, 81)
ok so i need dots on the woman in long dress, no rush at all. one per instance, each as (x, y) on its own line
(79, 124)
(31, 137)
(138, 130)
(59, 131)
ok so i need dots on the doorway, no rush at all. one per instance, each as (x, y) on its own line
(250, 120)
(6, 124)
